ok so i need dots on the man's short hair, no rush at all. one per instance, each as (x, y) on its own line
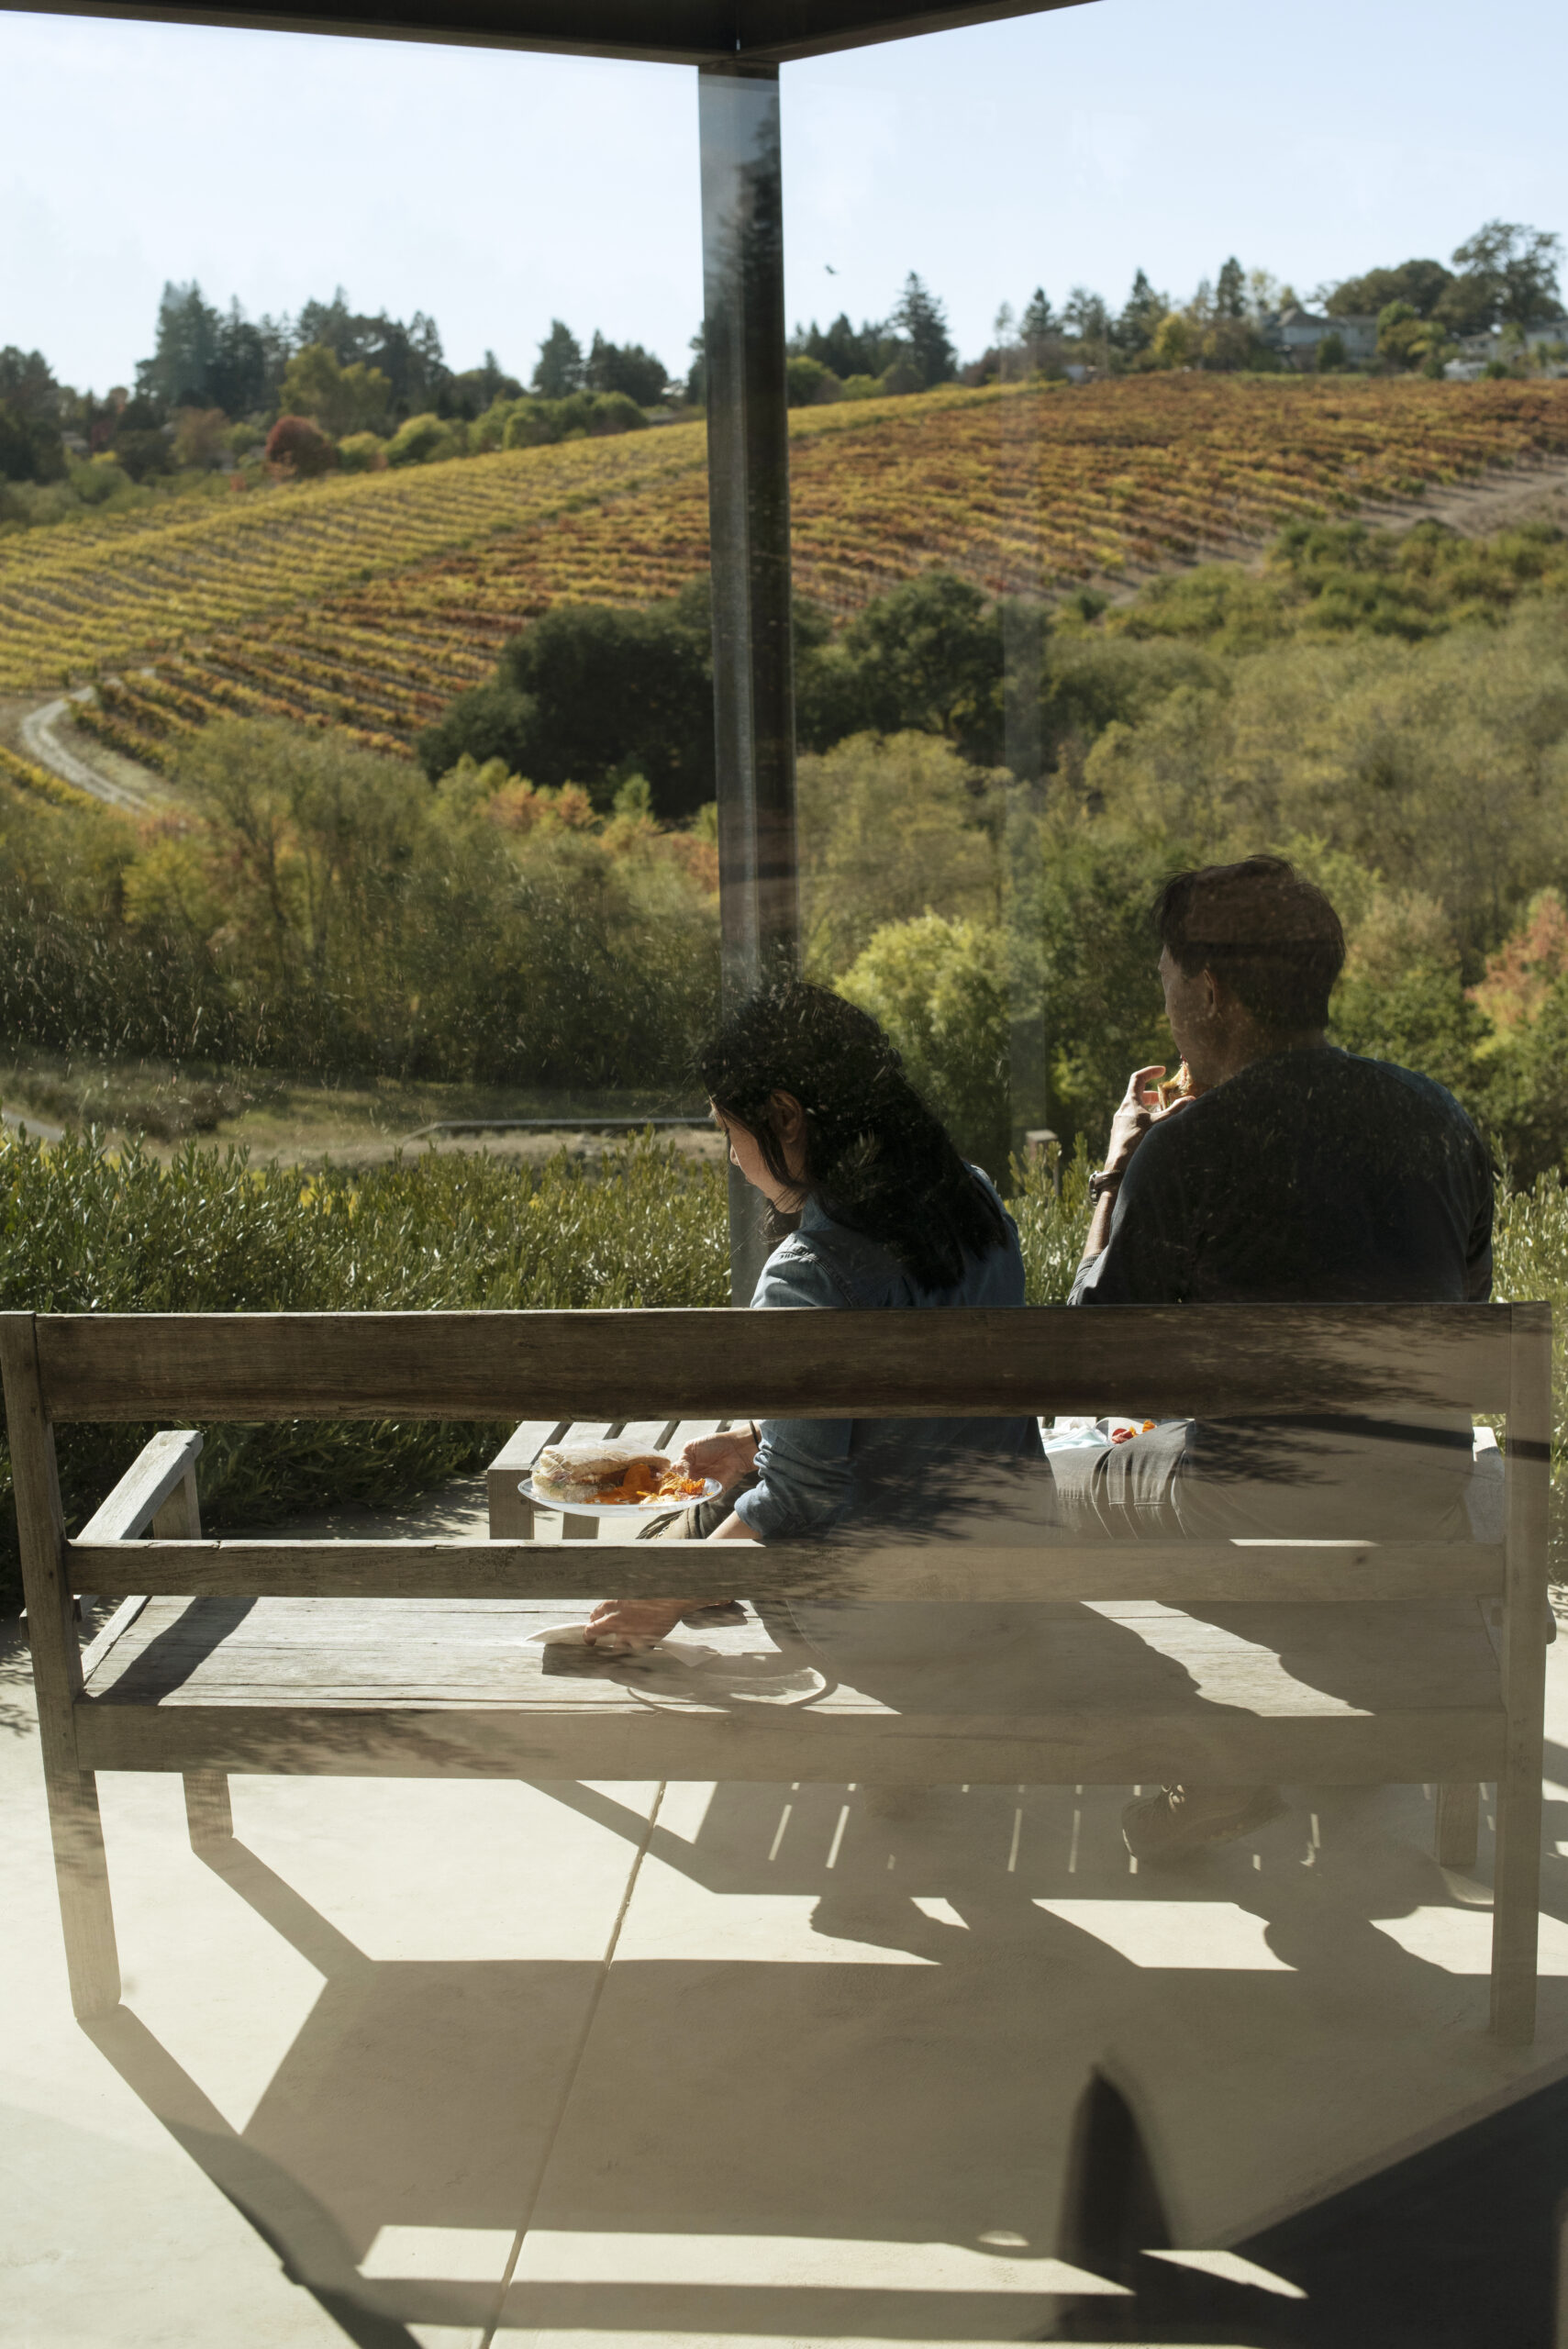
(1270, 935)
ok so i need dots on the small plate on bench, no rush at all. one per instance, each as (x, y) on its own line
(663, 1506)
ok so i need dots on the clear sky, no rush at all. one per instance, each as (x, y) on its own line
(498, 190)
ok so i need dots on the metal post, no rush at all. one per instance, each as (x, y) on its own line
(748, 457)
(1028, 1072)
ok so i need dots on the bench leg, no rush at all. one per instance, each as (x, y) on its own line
(511, 1517)
(1515, 1906)
(81, 1863)
(1458, 1833)
(209, 1816)
(82, 1876)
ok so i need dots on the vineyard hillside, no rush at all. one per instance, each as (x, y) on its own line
(368, 602)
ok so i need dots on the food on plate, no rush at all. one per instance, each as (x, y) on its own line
(596, 1472)
(1175, 1089)
(1125, 1429)
(675, 1485)
(611, 1476)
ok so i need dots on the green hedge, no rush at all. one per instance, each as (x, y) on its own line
(82, 1229)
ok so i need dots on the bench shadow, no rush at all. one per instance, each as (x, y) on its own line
(415, 2094)
(857, 2104)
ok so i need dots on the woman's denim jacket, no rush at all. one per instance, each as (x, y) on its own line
(816, 1474)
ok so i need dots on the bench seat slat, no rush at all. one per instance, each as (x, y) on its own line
(1179, 1571)
(1105, 1694)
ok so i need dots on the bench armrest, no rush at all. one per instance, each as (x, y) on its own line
(158, 1468)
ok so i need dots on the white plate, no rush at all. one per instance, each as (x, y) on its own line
(631, 1512)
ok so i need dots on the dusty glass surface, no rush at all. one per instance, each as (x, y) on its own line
(545, 598)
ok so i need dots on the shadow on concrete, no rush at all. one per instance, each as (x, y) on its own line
(1455, 2247)
(873, 2102)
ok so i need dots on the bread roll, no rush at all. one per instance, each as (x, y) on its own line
(589, 1472)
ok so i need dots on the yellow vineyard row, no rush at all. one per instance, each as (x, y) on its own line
(369, 602)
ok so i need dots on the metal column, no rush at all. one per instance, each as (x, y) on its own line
(748, 455)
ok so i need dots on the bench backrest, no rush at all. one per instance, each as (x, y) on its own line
(626, 1365)
(1208, 1360)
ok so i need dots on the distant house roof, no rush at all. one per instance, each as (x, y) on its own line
(1300, 321)
(679, 32)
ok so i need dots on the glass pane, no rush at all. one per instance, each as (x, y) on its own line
(923, 682)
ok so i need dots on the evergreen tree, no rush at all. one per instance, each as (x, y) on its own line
(560, 368)
(1085, 315)
(625, 367)
(847, 351)
(696, 378)
(334, 326)
(1038, 318)
(188, 341)
(248, 365)
(28, 388)
(1139, 321)
(478, 387)
(409, 355)
(1231, 292)
(920, 320)
(30, 447)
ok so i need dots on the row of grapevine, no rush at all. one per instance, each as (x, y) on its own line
(395, 601)
(18, 774)
(100, 591)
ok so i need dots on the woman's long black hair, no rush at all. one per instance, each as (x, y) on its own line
(877, 1158)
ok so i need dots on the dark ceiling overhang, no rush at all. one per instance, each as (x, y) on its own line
(667, 32)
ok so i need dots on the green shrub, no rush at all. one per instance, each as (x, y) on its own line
(1051, 1206)
(810, 385)
(320, 909)
(84, 1231)
(1530, 1258)
(362, 452)
(532, 423)
(423, 441)
(940, 988)
(891, 826)
(588, 693)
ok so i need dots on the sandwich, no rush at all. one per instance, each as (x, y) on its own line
(1175, 1089)
(597, 1472)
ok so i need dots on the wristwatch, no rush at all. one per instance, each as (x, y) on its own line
(1107, 1179)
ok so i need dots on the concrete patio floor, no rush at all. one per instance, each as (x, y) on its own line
(456, 2063)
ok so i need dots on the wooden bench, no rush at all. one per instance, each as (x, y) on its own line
(240, 1655)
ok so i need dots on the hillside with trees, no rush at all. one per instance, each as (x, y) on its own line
(226, 400)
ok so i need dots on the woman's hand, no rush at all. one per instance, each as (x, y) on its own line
(635, 1618)
(727, 1457)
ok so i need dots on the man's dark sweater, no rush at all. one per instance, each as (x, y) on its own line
(1313, 1178)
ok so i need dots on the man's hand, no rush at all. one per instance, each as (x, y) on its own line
(1139, 1108)
(727, 1457)
(1137, 1111)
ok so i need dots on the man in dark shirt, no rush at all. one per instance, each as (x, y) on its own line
(1290, 1172)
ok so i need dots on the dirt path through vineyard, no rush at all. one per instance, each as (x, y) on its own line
(1525, 492)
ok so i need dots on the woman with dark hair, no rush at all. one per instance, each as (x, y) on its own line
(869, 1205)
